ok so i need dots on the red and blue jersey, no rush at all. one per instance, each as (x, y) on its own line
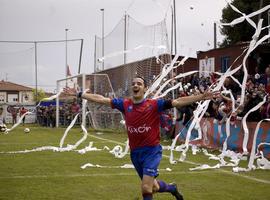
(142, 120)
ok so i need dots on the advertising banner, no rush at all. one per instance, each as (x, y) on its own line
(214, 135)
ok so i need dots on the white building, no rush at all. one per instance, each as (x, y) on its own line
(15, 95)
(12, 93)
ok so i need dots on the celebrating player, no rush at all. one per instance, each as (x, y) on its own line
(142, 116)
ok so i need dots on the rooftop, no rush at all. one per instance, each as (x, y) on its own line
(9, 86)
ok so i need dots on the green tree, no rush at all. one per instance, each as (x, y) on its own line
(38, 94)
(242, 32)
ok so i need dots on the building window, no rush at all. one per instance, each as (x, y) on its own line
(2, 98)
(13, 98)
(225, 63)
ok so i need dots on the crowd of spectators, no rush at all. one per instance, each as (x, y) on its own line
(46, 114)
(257, 87)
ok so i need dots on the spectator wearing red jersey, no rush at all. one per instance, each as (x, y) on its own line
(22, 112)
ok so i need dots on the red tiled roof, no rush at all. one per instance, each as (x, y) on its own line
(9, 86)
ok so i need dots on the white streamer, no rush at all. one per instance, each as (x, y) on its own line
(160, 47)
(262, 162)
(117, 151)
(88, 148)
(246, 131)
(252, 154)
(18, 123)
(164, 73)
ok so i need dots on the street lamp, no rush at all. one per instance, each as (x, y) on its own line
(102, 10)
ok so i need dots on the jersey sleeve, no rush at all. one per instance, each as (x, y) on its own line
(118, 103)
(164, 104)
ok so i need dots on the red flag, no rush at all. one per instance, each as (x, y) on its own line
(68, 71)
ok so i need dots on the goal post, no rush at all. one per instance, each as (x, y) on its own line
(99, 116)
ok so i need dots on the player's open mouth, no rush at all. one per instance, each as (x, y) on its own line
(135, 91)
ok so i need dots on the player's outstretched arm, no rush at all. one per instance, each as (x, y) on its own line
(184, 101)
(88, 96)
(96, 98)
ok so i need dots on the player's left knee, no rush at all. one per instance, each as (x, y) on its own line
(146, 188)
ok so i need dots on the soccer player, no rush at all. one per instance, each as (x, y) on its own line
(142, 118)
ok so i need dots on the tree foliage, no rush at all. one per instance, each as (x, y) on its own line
(38, 94)
(242, 32)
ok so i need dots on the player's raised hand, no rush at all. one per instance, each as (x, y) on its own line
(70, 91)
(209, 95)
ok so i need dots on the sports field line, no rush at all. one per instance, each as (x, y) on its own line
(194, 163)
(25, 143)
(95, 175)
(108, 140)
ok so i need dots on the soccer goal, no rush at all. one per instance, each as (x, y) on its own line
(93, 115)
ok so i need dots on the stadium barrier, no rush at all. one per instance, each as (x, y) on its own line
(214, 135)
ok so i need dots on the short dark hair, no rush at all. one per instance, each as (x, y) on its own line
(144, 81)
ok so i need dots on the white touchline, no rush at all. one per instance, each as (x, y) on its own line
(94, 175)
(112, 141)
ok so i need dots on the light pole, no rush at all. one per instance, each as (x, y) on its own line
(174, 13)
(102, 10)
(172, 32)
(215, 35)
(66, 68)
(36, 73)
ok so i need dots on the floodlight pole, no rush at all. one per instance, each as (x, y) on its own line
(172, 32)
(57, 105)
(102, 10)
(175, 49)
(215, 35)
(95, 55)
(174, 13)
(125, 38)
(36, 74)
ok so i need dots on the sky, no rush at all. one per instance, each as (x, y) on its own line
(46, 20)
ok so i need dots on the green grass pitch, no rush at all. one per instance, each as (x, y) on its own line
(57, 175)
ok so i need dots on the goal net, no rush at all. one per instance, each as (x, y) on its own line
(130, 41)
(94, 115)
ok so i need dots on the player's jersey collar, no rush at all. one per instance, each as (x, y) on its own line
(138, 102)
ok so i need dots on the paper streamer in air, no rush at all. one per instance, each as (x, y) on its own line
(161, 47)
